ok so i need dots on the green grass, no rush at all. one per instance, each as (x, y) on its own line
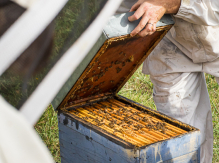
(47, 128)
(213, 94)
(139, 88)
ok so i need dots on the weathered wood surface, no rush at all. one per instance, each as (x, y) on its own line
(173, 148)
(84, 145)
(78, 144)
(188, 158)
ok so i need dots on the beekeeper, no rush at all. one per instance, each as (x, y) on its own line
(177, 64)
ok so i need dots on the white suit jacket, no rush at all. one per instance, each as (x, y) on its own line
(196, 29)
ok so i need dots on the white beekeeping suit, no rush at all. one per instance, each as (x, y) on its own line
(177, 66)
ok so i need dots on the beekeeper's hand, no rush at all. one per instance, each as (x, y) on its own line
(151, 12)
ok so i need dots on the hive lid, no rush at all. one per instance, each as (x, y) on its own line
(111, 61)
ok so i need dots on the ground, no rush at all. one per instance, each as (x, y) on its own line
(139, 88)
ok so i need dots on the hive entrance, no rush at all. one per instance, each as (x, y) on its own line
(127, 122)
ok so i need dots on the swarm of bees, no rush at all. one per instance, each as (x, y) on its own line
(122, 119)
(98, 70)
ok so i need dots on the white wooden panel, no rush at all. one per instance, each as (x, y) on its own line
(76, 146)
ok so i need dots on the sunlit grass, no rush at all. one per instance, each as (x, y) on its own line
(47, 128)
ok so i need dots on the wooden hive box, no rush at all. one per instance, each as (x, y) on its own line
(98, 125)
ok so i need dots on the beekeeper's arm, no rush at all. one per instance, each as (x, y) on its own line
(151, 12)
(202, 12)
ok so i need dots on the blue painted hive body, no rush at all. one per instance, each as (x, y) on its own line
(98, 125)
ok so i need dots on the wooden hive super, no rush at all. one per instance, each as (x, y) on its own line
(98, 125)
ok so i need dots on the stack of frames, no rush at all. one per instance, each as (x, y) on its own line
(127, 122)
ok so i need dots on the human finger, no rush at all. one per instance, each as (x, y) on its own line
(138, 13)
(149, 29)
(140, 26)
(135, 7)
(153, 29)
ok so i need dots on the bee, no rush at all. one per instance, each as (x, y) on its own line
(118, 69)
(150, 126)
(131, 58)
(123, 64)
(117, 62)
(85, 118)
(161, 126)
(105, 110)
(138, 113)
(91, 79)
(115, 131)
(102, 83)
(140, 118)
(126, 119)
(141, 132)
(100, 75)
(129, 122)
(89, 87)
(145, 119)
(100, 111)
(96, 87)
(111, 124)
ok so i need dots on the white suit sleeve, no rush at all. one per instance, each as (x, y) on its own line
(201, 12)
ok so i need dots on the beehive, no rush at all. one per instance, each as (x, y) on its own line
(98, 125)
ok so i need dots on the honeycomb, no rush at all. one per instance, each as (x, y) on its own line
(127, 122)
